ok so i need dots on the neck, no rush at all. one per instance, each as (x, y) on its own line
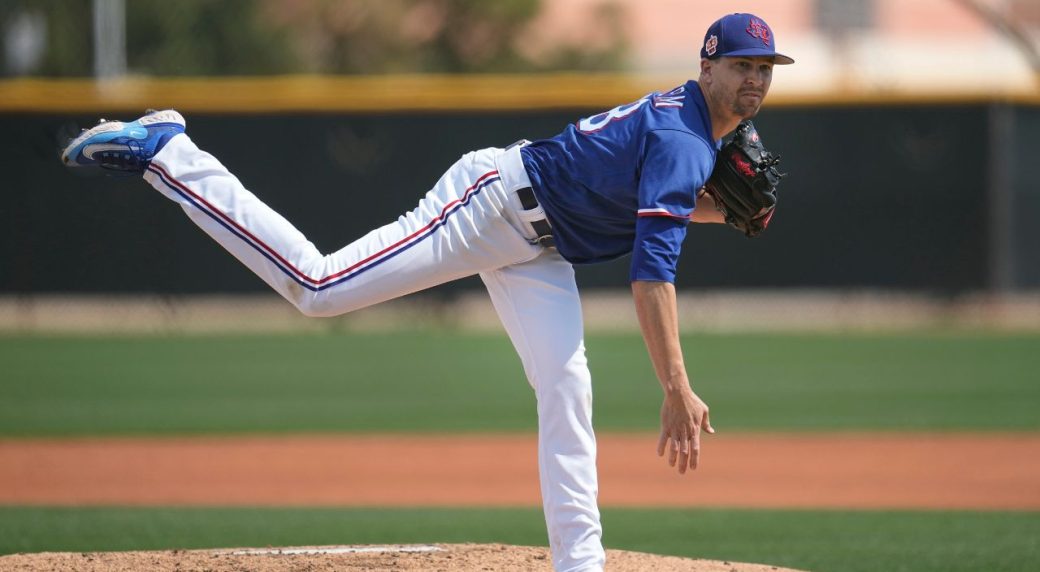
(723, 124)
(722, 120)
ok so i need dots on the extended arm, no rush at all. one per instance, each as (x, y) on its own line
(683, 414)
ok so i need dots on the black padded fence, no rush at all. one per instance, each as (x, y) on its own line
(934, 198)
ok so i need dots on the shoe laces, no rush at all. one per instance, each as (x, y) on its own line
(128, 160)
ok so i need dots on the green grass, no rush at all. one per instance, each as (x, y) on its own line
(811, 540)
(446, 381)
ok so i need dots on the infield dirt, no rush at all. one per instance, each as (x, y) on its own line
(894, 470)
(967, 471)
(445, 557)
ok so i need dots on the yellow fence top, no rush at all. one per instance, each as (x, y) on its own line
(400, 93)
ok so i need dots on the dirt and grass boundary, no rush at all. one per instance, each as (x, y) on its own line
(607, 310)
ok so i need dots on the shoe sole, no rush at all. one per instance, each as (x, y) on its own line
(106, 127)
(167, 116)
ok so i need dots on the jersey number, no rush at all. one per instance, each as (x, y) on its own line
(597, 122)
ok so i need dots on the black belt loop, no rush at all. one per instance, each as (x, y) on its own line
(527, 199)
(541, 226)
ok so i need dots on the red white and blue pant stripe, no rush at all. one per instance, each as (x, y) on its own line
(468, 223)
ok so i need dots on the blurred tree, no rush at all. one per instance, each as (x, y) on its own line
(205, 37)
(602, 45)
(187, 37)
(64, 35)
(256, 37)
(386, 36)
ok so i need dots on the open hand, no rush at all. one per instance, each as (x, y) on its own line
(683, 416)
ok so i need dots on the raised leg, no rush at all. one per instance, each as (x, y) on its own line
(462, 226)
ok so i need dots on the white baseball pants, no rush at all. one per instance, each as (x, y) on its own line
(471, 222)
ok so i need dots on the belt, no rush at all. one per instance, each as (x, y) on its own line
(541, 226)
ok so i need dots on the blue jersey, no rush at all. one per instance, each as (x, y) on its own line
(626, 181)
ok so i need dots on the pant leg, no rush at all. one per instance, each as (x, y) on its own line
(539, 307)
(464, 225)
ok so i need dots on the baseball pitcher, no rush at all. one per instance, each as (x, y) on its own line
(623, 182)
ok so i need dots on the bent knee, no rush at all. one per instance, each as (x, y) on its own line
(316, 306)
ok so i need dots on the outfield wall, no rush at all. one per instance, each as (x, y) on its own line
(927, 195)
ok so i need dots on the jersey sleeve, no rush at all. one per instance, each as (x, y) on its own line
(675, 166)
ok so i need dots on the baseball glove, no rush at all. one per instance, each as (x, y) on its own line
(743, 182)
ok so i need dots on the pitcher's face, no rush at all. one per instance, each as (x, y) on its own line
(739, 84)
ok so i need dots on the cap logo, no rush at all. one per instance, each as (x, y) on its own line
(711, 45)
(758, 29)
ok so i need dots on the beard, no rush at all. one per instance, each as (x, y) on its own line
(744, 109)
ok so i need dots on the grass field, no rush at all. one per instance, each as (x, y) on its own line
(445, 381)
(465, 382)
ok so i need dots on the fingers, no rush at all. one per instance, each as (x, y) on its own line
(675, 449)
(680, 451)
(695, 452)
(683, 441)
(684, 453)
(673, 452)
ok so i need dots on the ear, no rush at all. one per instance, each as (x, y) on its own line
(706, 66)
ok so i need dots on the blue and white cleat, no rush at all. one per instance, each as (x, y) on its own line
(119, 146)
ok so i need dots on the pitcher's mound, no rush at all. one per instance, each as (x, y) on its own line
(440, 557)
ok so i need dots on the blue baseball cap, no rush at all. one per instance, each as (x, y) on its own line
(741, 35)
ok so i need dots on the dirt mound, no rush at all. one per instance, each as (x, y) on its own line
(440, 557)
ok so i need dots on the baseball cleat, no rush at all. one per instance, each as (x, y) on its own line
(119, 146)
